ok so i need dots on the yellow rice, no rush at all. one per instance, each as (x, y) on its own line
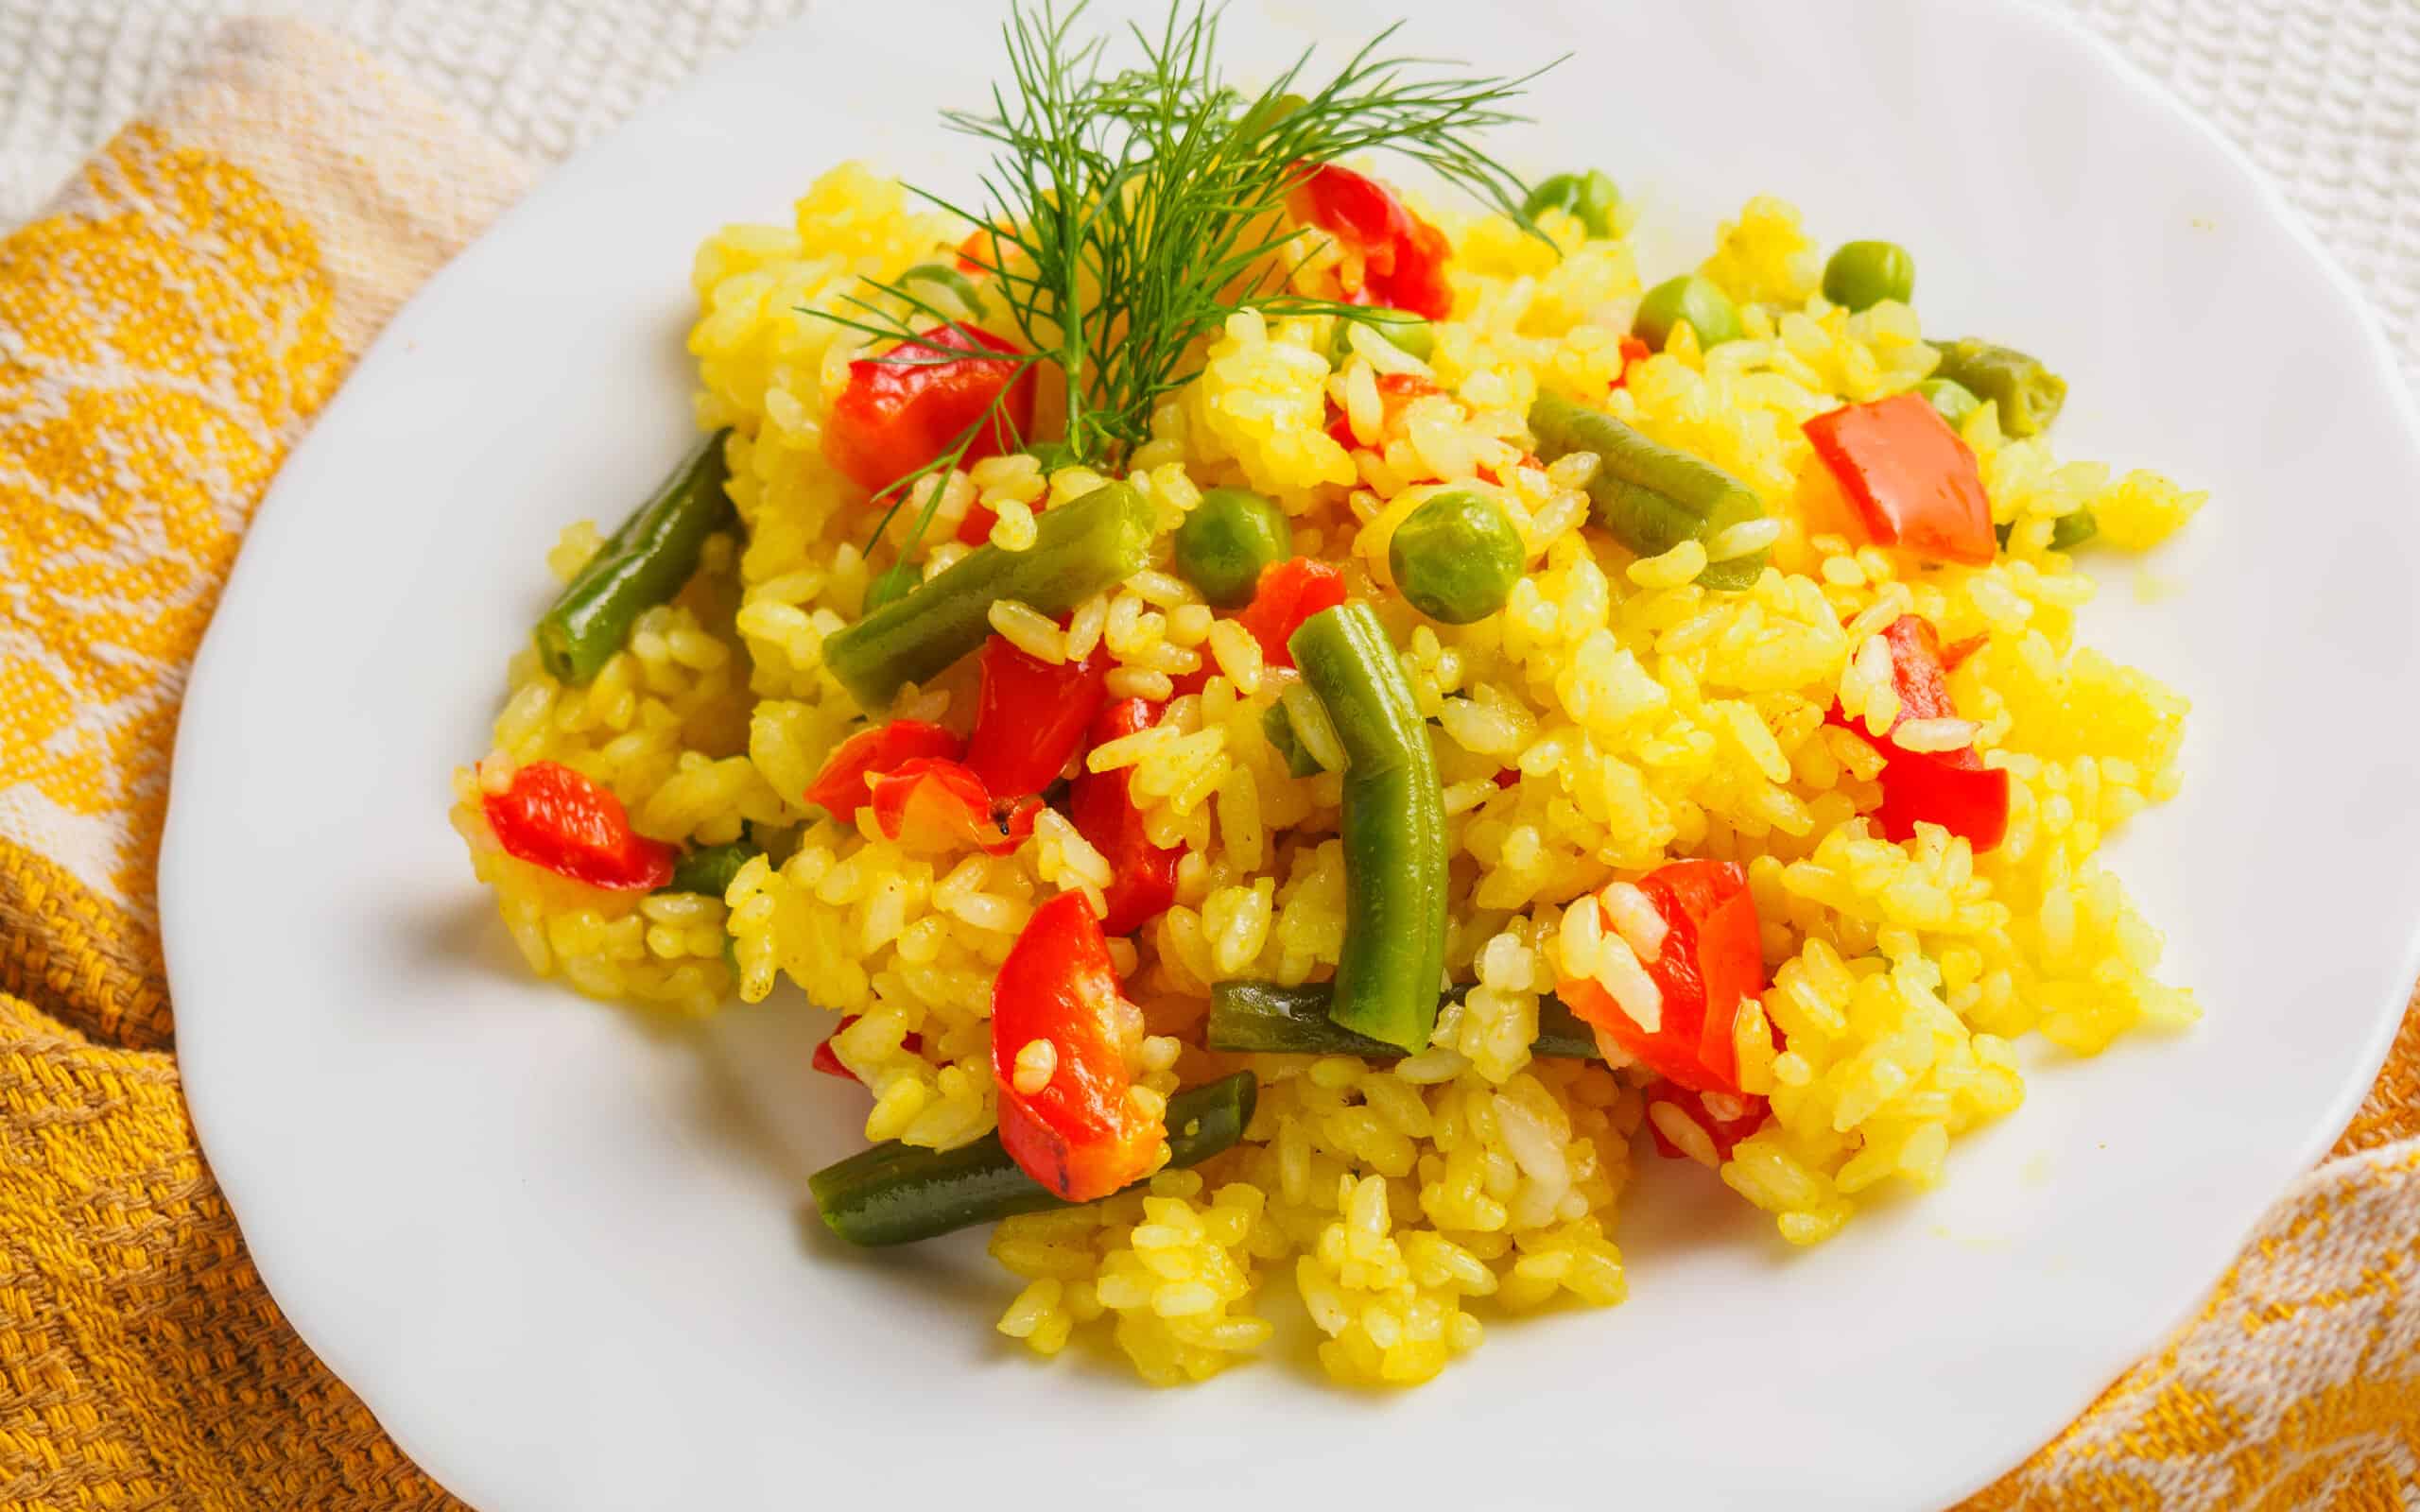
(1647, 718)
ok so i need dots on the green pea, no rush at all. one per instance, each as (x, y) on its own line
(1709, 310)
(896, 583)
(1456, 558)
(1952, 401)
(1230, 536)
(1863, 274)
(1590, 197)
(1403, 331)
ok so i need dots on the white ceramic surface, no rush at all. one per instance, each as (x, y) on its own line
(562, 1256)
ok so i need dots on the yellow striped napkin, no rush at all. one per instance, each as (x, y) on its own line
(166, 331)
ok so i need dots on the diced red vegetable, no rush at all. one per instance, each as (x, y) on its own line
(1954, 655)
(1951, 788)
(1396, 390)
(1634, 352)
(1142, 875)
(1909, 480)
(1724, 1134)
(551, 817)
(1390, 256)
(1710, 961)
(839, 789)
(903, 409)
(1081, 1134)
(1030, 716)
(828, 1061)
(1289, 593)
(933, 804)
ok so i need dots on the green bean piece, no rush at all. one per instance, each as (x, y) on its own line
(1456, 556)
(709, 869)
(1650, 497)
(1863, 274)
(1709, 310)
(641, 565)
(896, 1194)
(1226, 541)
(1268, 1018)
(950, 279)
(1952, 402)
(1391, 968)
(1409, 334)
(891, 586)
(1590, 197)
(1080, 549)
(2028, 394)
(1280, 730)
(2067, 531)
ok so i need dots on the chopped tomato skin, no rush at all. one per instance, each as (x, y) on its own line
(1710, 961)
(1390, 257)
(1142, 875)
(1030, 716)
(552, 816)
(1910, 481)
(828, 1061)
(1951, 788)
(1289, 593)
(840, 788)
(900, 411)
(933, 804)
(1081, 1134)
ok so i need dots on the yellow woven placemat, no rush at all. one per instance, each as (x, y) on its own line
(165, 334)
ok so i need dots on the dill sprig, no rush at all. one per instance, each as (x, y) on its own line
(1141, 207)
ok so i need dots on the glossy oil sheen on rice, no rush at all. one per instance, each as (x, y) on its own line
(1645, 717)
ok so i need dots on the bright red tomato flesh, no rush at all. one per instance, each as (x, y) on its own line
(1142, 875)
(1081, 1134)
(552, 816)
(1909, 479)
(903, 409)
(1030, 716)
(1710, 961)
(1392, 258)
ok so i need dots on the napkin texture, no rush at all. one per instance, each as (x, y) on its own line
(169, 326)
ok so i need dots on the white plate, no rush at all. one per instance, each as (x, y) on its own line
(562, 1257)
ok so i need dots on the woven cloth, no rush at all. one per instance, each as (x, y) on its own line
(169, 326)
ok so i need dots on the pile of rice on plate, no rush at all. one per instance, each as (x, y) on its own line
(1613, 716)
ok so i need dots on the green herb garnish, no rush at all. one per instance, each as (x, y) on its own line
(1144, 206)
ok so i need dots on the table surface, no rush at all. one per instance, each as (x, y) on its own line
(2324, 93)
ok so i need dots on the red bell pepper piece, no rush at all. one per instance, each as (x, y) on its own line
(828, 1061)
(551, 817)
(1723, 1133)
(1142, 875)
(1951, 788)
(1081, 1134)
(1395, 391)
(933, 804)
(839, 789)
(1908, 478)
(1711, 960)
(900, 411)
(1634, 352)
(1289, 593)
(1390, 257)
(1030, 716)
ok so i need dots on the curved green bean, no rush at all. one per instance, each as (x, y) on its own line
(641, 565)
(1391, 966)
(1268, 1018)
(2028, 394)
(1650, 497)
(1080, 549)
(896, 1194)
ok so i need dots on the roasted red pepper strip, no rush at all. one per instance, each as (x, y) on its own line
(551, 817)
(1390, 256)
(932, 804)
(1289, 593)
(839, 789)
(1710, 960)
(1142, 875)
(1724, 1134)
(1908, 478)
(1081, 1134)
(828, 1061)
(1030, 716)
(900, 411)
(1951, 788)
